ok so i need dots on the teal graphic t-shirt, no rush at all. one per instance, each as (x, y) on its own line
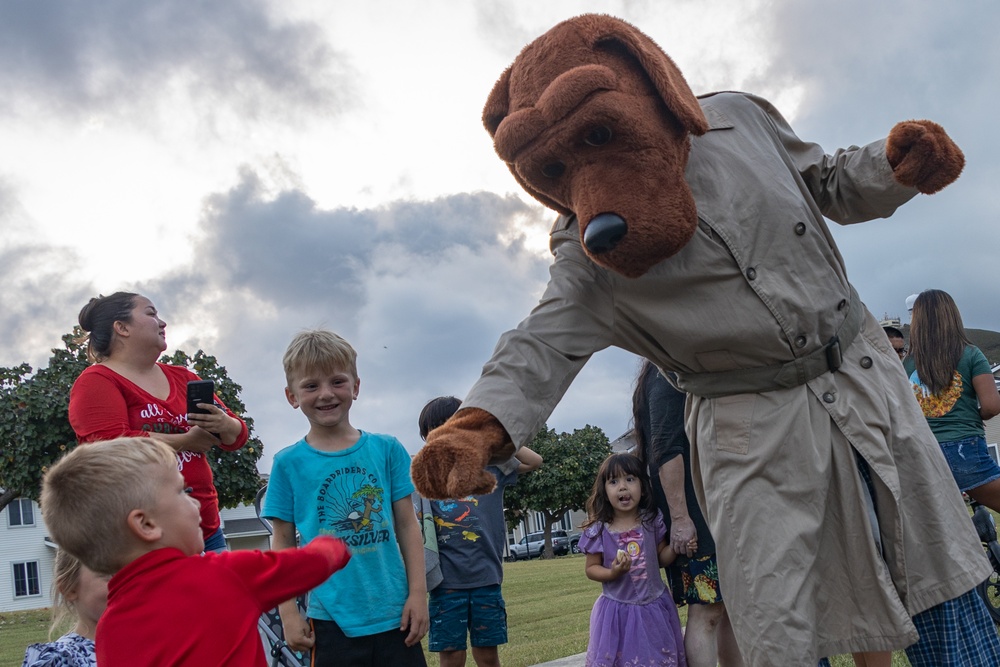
(349, 494)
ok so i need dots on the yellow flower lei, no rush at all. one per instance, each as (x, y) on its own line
(941, 403)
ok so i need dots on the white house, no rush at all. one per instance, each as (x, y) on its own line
(27, 554)
(243, 530)
(993, 425)
(26, 557)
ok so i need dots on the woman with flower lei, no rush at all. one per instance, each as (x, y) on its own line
(954, 384)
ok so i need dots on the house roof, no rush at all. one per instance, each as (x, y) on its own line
(624, 443)
(244, 528)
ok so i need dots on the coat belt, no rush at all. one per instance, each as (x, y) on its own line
(779, 376)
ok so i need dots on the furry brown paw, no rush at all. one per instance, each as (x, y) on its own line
(451, 464)
(923, 156)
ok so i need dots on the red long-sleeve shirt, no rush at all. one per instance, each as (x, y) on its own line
(167, 609)
(104, 405)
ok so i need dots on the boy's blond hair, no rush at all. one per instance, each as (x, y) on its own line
(88, 494)
(318, 349)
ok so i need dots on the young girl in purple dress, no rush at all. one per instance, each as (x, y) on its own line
(634, 622)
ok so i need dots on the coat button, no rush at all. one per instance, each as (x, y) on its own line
(800, 228)
(828, 397)
(866, 362)
(751, 273)
(842, 304)
(800, 341)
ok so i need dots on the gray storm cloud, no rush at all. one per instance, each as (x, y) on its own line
(119, 57)
(422, 289)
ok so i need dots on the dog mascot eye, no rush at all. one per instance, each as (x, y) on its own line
(553, 169)
(598, 136)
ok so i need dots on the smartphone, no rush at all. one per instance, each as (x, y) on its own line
(200, 391)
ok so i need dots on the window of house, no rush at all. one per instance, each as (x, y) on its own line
(20, 513)
(26, 579)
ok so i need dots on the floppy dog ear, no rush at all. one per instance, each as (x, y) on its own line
(665, 76)
(498, 103)
(494, 112)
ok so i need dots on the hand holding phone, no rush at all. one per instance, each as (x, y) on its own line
(200, 391)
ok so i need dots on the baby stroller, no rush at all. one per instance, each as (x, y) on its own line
(269, 623)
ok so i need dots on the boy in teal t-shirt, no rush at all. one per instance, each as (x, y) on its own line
(356, 486)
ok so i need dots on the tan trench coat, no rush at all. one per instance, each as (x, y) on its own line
(761, 283)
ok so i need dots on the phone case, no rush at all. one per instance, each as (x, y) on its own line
(199, 391)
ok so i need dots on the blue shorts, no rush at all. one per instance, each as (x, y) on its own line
(455, 612)
(216, 541)
(970, 462)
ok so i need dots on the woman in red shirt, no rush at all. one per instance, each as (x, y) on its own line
(127, 392)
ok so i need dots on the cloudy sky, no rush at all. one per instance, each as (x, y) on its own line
(257, 168)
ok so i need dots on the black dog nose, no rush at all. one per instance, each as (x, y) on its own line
(603, 233)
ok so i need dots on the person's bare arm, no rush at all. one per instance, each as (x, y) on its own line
(989, 398)
(415, 618)
(217, 421)
(297, 632)
(195, 439)
(596, 571)
(665, 555)
(682, 528)
(528, 460)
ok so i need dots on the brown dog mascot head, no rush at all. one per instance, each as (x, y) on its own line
(593, 108)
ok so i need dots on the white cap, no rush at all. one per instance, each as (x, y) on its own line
(909, 302)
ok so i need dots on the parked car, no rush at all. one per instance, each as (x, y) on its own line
(532, 545)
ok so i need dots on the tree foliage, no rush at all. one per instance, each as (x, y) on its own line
(35, 430)
(236, 477)
(34, 427)
(563, 483)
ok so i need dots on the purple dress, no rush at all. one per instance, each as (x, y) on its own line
(634, 622)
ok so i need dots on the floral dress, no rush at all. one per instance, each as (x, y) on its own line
(70, 650)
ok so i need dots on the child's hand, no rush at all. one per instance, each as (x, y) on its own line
(621, 564)
(416, 618)
(297, 632)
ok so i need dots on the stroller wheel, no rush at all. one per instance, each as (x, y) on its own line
(989, 590)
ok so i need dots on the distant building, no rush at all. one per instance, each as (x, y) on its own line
(893, 321)
(624, 443)
(26, 557)
(993, 425)
(27, 554)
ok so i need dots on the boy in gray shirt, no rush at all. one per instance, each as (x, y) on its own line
(470, 538)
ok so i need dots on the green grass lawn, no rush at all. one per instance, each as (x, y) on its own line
(548, 613)
(17, 630)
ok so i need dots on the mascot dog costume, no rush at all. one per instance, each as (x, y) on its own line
(692, 234)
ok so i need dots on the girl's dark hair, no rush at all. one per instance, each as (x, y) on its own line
(98, 319)
(640, 408)
(437, 412)
(937, 338)
(599, 509)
